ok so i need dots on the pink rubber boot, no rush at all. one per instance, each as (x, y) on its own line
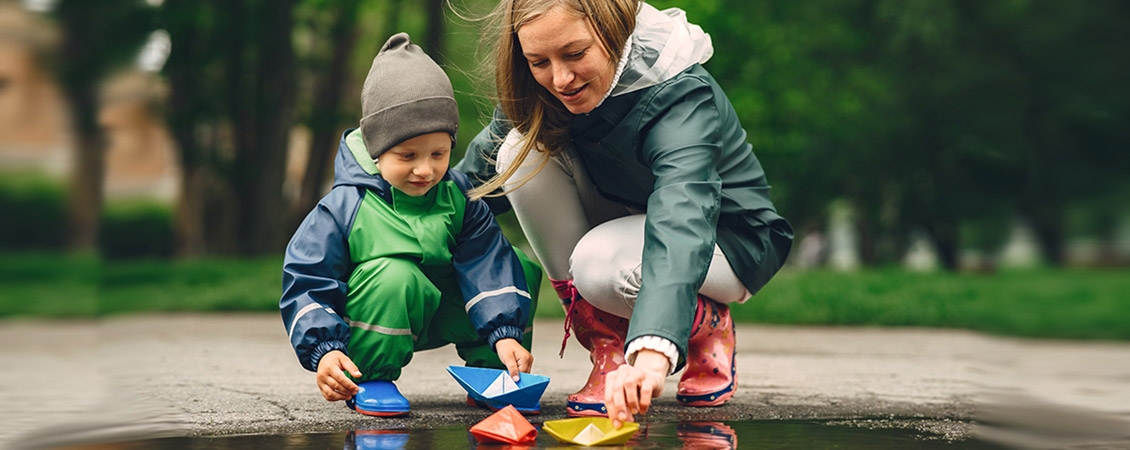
(602, 334)
(711, 376)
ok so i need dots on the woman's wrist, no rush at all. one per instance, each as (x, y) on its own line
(652, 361)
(655, 347)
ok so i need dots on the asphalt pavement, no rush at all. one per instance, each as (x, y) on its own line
(143, 376)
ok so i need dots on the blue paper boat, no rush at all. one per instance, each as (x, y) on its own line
(525, 394)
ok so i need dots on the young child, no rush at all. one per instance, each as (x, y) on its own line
(396, 259)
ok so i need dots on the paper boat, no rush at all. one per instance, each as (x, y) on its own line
(590, 431)
(507, 426)
(495, 387)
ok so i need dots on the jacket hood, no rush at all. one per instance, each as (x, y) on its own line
(354, 167)
(663, 44)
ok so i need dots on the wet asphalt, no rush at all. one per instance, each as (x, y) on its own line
(66, 383)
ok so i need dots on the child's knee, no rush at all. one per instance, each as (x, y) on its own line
(393, 277)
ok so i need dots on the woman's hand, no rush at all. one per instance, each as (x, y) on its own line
(514, 356)
(331, 379)
(628, 390)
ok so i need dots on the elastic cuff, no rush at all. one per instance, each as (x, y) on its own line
(656, 343)
(503, 332)
(322, 348)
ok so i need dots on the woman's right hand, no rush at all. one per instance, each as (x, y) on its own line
(629, 389)
(331, 379)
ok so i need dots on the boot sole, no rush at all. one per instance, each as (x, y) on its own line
(713, 399)
(381, 413)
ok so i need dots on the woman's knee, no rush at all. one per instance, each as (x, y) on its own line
(606, 265)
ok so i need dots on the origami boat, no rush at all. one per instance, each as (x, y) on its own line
(507, 426)
(590, 431)
(496, 389)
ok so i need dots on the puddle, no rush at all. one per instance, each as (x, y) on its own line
(698, 435)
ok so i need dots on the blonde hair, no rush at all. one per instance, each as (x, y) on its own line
(531, 109)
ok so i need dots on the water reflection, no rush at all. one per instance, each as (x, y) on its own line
(376, 440)
(776, 434)
(707, 435)
(687, 435)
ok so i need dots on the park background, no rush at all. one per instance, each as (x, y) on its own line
(955, 163)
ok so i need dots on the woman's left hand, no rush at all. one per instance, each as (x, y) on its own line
(628, 390)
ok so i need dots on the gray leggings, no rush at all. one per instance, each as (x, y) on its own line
(578, 234)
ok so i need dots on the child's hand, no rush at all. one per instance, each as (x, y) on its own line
(332, 382)
(514, 356)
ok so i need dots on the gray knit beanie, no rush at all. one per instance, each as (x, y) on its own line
(405, 95)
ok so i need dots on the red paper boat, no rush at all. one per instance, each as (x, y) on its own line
(507, 426)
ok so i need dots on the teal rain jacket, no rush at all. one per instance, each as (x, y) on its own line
(668, 141)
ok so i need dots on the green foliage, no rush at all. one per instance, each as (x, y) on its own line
(1072, 304)
(34, 210)
(138, 229)
(927, 114)
(1040, 303)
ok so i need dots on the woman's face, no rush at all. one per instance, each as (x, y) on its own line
(567, 59)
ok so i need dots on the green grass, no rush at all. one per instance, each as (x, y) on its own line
(1074, 304)
(1070, 303)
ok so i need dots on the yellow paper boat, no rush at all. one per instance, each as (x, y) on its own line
(589, 431)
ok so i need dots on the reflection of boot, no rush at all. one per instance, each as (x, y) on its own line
(376, 440)
(706, 435)
(711, 376)
(602, 334)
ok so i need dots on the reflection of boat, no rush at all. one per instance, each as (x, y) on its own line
(376, 439)
(589, 431)
(494, 388)
(707, 435)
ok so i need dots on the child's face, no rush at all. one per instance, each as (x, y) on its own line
(417, 164)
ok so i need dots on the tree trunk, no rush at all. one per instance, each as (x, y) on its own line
(437, 27)
(188, 222)
(945, 236)
(263, 136)
(325, 118)
(1047, 224)
(85, 195)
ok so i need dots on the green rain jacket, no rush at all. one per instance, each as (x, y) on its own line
(667, 141)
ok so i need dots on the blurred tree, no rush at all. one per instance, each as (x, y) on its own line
(232, 198)
(928, 115)
(192, 69)
(260, 92)
(98, 38)
(337, 21)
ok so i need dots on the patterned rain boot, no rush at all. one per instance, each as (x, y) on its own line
(602, 334)
(711, 376)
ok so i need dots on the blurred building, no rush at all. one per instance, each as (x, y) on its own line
(34, 130)
(32, 119)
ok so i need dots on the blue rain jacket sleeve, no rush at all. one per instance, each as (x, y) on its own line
(490, 274)
(316, 270)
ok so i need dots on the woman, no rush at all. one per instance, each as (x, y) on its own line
(631, 176)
